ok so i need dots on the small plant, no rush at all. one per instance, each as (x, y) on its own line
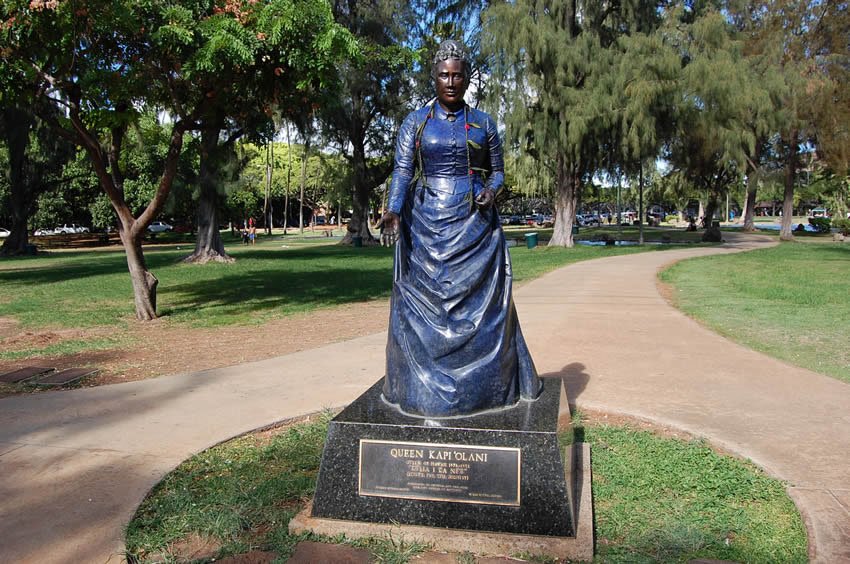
(821, 224)
(672, 218)
(843, 225)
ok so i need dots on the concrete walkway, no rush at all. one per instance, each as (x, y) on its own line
(74, 465)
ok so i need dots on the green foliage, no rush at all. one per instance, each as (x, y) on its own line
(728, 104)
(328, 176)
(842, 224)
(572, 89)
(821, 224)
(790, 299)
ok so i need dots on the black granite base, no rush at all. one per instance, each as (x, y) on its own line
(501, 471)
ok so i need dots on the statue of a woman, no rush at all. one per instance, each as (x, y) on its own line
(455, 345)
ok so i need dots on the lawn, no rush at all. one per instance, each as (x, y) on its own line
(655, 499)
(789, 301)
(278, 277)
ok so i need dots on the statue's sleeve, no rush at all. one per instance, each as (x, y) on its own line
(497, 162)
(405, 159)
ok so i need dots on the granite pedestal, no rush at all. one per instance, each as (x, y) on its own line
(500, 472)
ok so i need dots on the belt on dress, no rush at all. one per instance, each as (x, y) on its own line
(450, 184)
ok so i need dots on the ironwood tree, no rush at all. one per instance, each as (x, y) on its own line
(556, 70)
(807, 41)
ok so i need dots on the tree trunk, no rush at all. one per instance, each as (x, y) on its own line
(288, 181)
(568, 183)
(711, 234)
(785, 231)
(208, 245)
(359, 224)
(144, 283)
(303, 185)
(267, 207)
(750, 205)
(16, 132)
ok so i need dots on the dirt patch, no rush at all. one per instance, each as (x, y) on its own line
(159, 348)
(8, 327)
(253, 557)
(189, 549)
(667, 291)
(591, 417)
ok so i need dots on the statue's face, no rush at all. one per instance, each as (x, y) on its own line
(450, 83)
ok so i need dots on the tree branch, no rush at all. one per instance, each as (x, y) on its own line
(165, 181)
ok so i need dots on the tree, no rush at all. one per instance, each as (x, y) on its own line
(238, 64)
(89, 60)
(726, 111)
(362, 118)
(555, 68)
(808, 44)
(103, 60)
(36, 158)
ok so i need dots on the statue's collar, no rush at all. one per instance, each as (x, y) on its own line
(442, 113)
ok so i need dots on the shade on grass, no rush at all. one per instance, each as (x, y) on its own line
(277, 278)
(790, 301)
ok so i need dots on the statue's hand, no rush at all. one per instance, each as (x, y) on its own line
(485, 199)
(390, 225)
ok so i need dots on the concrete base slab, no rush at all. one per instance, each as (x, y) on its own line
(578, 548)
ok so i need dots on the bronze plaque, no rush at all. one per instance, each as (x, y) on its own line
(440, 472)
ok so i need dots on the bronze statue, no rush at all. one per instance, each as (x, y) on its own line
(455, 347)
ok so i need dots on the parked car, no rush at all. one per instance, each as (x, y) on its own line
(42, 232)
(587, 219)
(545, 221)
(159, 227)
(4, 232)
(72, 228)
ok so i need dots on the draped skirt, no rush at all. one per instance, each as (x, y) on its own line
(455, 346)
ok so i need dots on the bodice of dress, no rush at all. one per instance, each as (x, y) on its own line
(451, 146)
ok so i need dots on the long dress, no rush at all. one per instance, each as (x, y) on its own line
(455, 347)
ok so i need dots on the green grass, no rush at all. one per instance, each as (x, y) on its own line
(242, 493)
(666, 500)
(789, 301)
(655, 499)
(623, 233)
(276, 278)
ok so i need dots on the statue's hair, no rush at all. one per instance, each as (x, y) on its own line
(450, 49)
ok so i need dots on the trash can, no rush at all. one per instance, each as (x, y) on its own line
(531, 240)
(575, 229)
(357, 240)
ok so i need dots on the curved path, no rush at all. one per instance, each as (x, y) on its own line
(74, 465)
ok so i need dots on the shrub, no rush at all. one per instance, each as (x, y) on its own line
(843, 225)
(821, 224)
(672, 218)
